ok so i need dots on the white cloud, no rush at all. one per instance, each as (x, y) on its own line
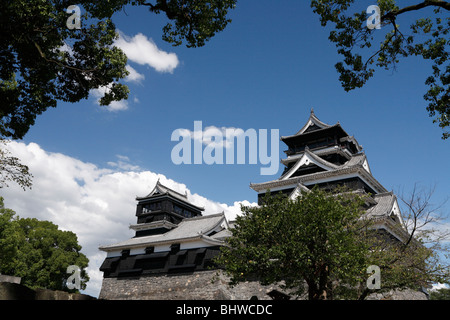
(214, 136)
(114, 106)
(438, 286)
(144, 51)
(97, 204)
(134, 76)
(123, 163)
(141, 50)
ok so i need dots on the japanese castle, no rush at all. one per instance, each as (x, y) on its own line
(174, 242)
(172, 236)
(327, 156)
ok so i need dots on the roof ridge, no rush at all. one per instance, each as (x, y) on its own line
(354, 157)
(312, 120)
(206, 216)
(170, 189)
(318, 158)
(297, 134)
(384, 194)
(314, 158)
(319, 175)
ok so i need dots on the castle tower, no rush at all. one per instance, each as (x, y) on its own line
(172, 238)
(162, 210)
(327, 156)
(171, 253)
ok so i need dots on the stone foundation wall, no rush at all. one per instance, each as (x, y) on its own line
(207, 285)
(406, 294)
(203, 285)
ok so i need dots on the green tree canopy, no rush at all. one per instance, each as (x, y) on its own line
(318, 245)
(427, 37)
(43, 61)
(38, 252)
(440, 294)
(306, 243)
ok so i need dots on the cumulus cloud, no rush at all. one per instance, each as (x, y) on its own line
(144, 51)
(141, 50)
(123, 163)
(134, 76)
(439, 286)
(114, 106)
(214, 136)
(97, 204)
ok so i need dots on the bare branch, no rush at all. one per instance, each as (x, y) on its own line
(421, 215)
(427, 3)
(12, 170)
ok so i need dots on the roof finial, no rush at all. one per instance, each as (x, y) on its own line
(312, 110)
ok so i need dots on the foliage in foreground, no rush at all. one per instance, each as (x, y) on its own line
(317, 245)
(400, 35)
(38, 252)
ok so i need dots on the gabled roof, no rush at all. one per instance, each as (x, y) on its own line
(314, 134)
(307, 158)
(312, 125)
(387, 206)
(353, 140)
(386, 215)
(160, 190)
(298, 191)
(314, 128)
(312, 178)
(357, 160)
(384, 201)
(319, 152)
(189, 229)
(313, 120)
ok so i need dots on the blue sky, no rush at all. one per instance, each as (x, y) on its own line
(266, 70)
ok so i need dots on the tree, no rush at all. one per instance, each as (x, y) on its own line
(440, 294)
(424, 222)
(38, 252)
(194, 21)
(418, 259)
(306, 244)
(45, 57)
(12, 170)
(426, 37)
(322, 244)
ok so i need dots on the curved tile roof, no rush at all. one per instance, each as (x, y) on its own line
(188, 229)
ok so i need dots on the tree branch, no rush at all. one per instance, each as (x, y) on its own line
(426, 3)
(58, 62)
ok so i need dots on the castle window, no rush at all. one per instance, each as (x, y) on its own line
(393, 216)
(177, 209)
(174, 248)
(152, 207)
(125, 253)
